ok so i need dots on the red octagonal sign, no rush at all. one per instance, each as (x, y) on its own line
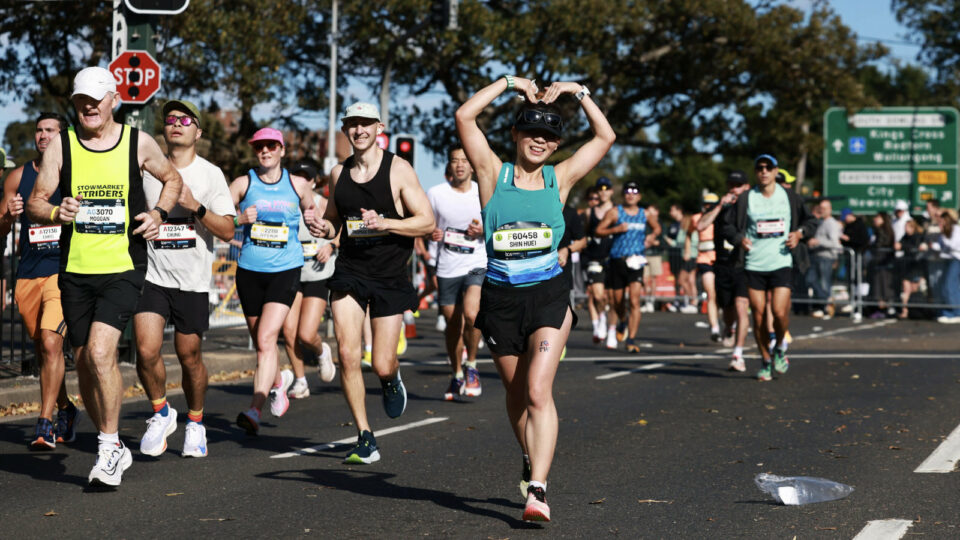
(137, 75)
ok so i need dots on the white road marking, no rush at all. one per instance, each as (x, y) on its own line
(629, 372)
(351, 440)
(884, 529)
(847, 329)
(944, 459)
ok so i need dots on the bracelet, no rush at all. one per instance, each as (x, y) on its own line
(236, 221)
(52, 212)
(510, 83)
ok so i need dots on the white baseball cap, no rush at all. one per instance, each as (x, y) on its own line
(94, 82)
(362, 110)
(901, 205)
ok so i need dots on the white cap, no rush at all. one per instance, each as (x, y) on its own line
(901, 205)
(94, 82)
(362, 110)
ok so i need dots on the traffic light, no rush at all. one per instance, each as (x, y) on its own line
(406, 148)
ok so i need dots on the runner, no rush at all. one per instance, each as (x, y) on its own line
(302, 325)
(595, 258)
(37, 293)
(731, 285)
(767, 223)
(525, 313)
(461, 265)
(178, 281)
(706, 256)
(627, 223)
(103, 251)
(380, 201)
(268, 273)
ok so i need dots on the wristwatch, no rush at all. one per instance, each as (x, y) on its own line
(201, 211)
(163, 213)
(584, 91)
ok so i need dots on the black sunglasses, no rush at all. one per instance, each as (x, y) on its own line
(269, 145)
(764, 167)
(185, 121)
(532, 116)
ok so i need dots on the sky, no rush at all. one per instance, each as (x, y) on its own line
(870, 19)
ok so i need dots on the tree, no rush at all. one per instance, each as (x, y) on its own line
(937, 23)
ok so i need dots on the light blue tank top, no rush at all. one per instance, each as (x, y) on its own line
(522, 229)
(631, 242)
(271, 244)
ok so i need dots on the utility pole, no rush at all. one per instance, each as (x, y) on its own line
(331, 160)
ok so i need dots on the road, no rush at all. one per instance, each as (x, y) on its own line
(664, 444)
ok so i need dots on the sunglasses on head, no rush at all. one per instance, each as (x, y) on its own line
(532, 116)
(184, 121)
(764, 167)
(269, 145)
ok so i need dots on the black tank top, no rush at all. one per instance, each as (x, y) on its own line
(598, 247)
(372, 254)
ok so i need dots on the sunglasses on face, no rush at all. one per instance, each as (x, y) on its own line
(270, 145)
(632, 191)
(530, 116)
(184, 121)
(764, 167)
(593, 199)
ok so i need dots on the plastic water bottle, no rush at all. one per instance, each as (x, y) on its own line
(797, 490)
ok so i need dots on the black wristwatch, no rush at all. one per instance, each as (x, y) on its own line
(201, 211)
(163, 213)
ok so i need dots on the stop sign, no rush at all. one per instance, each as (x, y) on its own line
(137, 76)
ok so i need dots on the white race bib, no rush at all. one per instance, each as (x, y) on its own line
(43, 237)
(521, 242)
(310, 249)
(456, 240)
(771, 228)
(101, 216)
(594, 267)
(635, 262)
(180, 234)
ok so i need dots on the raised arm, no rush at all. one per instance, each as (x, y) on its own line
(485, 162)
(572, 169)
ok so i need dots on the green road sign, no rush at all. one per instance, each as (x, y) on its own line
(877, 156)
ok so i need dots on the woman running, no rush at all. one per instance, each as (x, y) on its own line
(525, 315)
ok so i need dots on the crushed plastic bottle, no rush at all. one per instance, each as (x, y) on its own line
(797, 490)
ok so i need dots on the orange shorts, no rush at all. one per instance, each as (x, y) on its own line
(39, 302)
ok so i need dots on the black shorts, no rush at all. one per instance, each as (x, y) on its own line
(106, 298)
(509, 315)
(688, 265)
(731, 284)
(316, 289)
(704, 268)
(384, 297)
(189, 310)
(595, 271)
(256, 289)
(767, 281)
(619, 275)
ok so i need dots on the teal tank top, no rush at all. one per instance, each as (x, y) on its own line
(522, 229)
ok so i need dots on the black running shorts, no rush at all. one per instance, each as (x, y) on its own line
(384, 297)
(731, 284)
(595, 271)
(316, 289)
(619, 275)
(189, 310)
(767, 281)
(105, 298)
(258, 288)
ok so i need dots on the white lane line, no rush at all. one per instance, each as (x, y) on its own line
(351, 440)
(944, 459)
(847, 329)
(884, 529)
(629, 372)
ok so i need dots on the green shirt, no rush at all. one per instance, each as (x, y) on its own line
(768, 224)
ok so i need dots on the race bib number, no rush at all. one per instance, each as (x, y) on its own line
(456, 241)
(101, 216)
(358, 232)
(522, 240)
(706, 246)
(44, 237)
(176, 234)
(770, 228)
(269, 234)
(310, 249)
(635, 262)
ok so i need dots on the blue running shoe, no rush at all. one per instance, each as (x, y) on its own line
(365, 452)
(394, 397)
(67, 424)
(43, 438)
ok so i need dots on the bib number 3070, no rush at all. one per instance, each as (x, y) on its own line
(101, 216)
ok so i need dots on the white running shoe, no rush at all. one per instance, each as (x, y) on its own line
(154, 441)
(299, 390)
(278, 395)
(612, 340)
(325, 367)
(112, 460)
(441, 323)
(602, 329)
(603, 321)
(648, 307)
(688, 309)
(737, 364)
(195, 440)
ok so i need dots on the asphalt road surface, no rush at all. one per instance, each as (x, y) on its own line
(663, 444)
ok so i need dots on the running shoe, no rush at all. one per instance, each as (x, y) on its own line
(159, 427)
(773, 342)
(737, 364)
(648, 307)
(729, 341)
(472, 387)
(621, 331)
(765, 373)
(299, 390)
(631, 346)
(366, 362)
(563, 353)
(250, 421)
(715, 337)
(279, 403)
(44, 438)
(688, 309)
(536, 508)
(780, 362)
(602, 329)
(67, 424)
(326, 367)
(441, 323)
(525, 476)
(402, 344)
(455, 389)
(195, 440)
(112, 460)
(612, 341)
(365, 452)
(394, 396)
(672, 307)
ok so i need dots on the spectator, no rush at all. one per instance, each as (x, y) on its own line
(950, 250)
(881, 263)
(911, 267)
(901, 212)
(855, 234)
(936, 265)
(824, 247)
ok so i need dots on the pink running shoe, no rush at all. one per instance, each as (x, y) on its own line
(536, 509)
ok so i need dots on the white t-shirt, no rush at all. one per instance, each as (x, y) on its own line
(453, 211)
(182, 256)
(314, 270)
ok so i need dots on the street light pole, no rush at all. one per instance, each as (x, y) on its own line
(331, 160)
